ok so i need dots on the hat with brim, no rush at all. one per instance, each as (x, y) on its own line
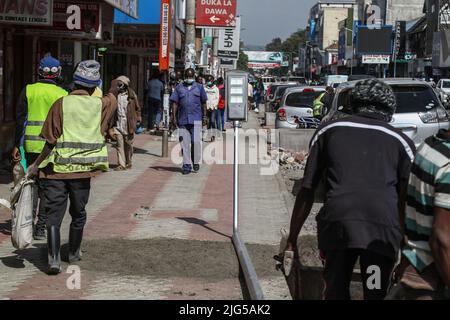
(87, 74)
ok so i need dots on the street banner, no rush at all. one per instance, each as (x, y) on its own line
(376, 59)
(265, 56)
(216, 13)
(229, 41)
(130, 7)
(164, 43)
(26, 12)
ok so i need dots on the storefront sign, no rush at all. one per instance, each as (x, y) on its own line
(130, 7)
(27, 12)
(216, 13)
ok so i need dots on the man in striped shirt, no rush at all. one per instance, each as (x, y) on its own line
(427, 249)
(366, 165)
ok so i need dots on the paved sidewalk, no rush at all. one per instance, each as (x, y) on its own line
(153, 233)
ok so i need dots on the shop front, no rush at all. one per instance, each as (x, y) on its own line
(68, 30)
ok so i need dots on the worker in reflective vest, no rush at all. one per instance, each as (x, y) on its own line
(34, 103)
(75, 150)
(317, 107)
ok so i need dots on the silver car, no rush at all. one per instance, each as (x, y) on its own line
(420, 113)
(296, 103)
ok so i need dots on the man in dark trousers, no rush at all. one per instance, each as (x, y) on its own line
(189, 113)
(75, 150)
(366, 165)
(34, 104)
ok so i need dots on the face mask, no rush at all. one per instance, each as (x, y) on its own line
(189, 82)
(210, 84)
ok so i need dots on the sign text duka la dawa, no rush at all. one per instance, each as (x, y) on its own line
(27, 12)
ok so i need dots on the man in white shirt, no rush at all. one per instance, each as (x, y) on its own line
(214, 116)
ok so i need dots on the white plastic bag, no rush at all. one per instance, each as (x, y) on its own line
(22, 201)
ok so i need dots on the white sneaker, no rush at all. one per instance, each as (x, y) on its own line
(256, 110)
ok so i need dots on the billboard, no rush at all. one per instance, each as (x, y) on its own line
(37, 13)
(265, 59)
(130, 7)
(374, 40)
(441, 49)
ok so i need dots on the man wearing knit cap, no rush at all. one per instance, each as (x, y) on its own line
(75, 150)
(34, 104)
(366, 165)
(127, 116)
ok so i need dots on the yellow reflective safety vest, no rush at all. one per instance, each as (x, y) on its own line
(317, 106)
(81, 147)
(40, 97)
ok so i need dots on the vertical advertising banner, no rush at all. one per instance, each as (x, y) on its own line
(165, 30)
(229, 41)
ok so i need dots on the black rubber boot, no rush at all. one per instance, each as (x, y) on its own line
(75, 237)
(54, 245)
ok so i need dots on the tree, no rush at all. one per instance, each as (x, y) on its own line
(275, 45)
(242, 63)
(291, 44)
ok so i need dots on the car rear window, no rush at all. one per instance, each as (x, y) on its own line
(410, 99)
(415, 99)
(446, 84)
(281, 90)
(301, 99)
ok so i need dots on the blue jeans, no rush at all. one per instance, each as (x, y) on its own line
(154, 113)
(191, 144)
(222, 117)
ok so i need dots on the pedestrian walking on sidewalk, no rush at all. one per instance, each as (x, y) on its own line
(189, 114)
(366, 164)
(221, 105)
(127, 116)
(214, 120)
(155, 90)
(75, 149)
(34, 104)
(425, 269)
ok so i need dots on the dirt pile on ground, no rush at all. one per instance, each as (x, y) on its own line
(173, 258)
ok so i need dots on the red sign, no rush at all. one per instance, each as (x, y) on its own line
(164, 43)
(216, 13)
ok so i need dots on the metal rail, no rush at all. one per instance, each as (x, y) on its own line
(251, 279)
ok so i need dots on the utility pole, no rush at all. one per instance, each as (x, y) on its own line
(190, 32)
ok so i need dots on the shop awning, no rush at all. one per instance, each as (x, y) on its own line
(129, 7)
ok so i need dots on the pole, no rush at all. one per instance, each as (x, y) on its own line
(190, 30)
(236, 178)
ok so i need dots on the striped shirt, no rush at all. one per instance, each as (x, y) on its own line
(429, 187)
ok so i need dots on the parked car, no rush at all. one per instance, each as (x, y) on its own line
(358, 77)
(330, 80)
(420, 113)
(299, 80)
(278, 95)
(297, 103)
(443, 88)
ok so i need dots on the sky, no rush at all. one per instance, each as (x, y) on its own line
(264, 20)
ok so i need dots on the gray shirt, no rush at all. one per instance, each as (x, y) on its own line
(155, 88)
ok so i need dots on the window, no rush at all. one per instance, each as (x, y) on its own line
(302, 99)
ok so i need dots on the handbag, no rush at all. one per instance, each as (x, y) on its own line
(22, 200)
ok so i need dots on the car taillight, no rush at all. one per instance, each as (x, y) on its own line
(308, 90)
(429, 117)
(282, 115)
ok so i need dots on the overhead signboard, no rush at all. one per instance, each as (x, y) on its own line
(130, 7)
(26, 12)
(376, 59)
(216, 13)
(229, 41)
